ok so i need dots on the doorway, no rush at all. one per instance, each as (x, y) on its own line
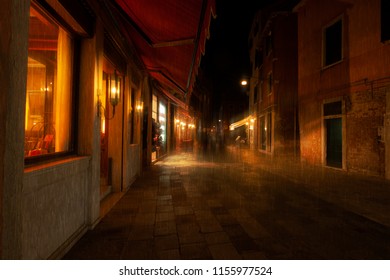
(333, 134)
(334, 143)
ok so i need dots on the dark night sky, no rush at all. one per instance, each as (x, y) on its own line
(227, 56)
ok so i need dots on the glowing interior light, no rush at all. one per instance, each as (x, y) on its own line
(103, 128)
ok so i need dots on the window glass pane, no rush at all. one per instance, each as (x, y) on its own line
(269, 83)
(333, 108)
(49, 84)
(154, 108)
(263, 131)
(269, 130)
(333, 43)
(162, 122)
(385, 20)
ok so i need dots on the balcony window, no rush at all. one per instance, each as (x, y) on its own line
(48, 118)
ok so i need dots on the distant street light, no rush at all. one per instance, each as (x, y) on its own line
(244, 82)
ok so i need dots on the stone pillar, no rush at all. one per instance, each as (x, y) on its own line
(14, 18)
(91, 82)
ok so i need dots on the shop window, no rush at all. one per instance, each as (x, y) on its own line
(155, 129)
(162, 120)
(48, 118)
(333, 43)
(154, 108)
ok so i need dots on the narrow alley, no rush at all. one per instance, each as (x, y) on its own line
(239, 204)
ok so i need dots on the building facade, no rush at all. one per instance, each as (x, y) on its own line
(76, 115)
(76, 143)
(344, 83)
(273, 120)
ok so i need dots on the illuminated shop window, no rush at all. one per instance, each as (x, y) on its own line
(154, 108)
(49, 87)
(162, 121)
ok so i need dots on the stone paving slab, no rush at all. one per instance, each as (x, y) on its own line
(243, 205)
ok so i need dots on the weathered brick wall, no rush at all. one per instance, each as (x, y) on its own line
(359, 80)
(365, 153)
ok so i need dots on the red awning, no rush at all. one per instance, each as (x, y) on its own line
(169, 37)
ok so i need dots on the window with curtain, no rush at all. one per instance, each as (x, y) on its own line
(48, 118)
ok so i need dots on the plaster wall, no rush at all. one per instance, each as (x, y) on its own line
(54, 207)
(14, 16)
(91, 80)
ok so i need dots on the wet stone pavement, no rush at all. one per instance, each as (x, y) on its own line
(242, 205)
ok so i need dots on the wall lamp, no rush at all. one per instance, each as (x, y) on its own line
(114, 91)
(139, 106)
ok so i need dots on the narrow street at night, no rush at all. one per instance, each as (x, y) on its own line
(204, 138)
(240, 204)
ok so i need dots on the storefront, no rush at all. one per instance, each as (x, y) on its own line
(71, 115)
(159, 127)
(76, 140)
(49, 115)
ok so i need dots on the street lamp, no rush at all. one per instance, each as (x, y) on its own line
(244, 82)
